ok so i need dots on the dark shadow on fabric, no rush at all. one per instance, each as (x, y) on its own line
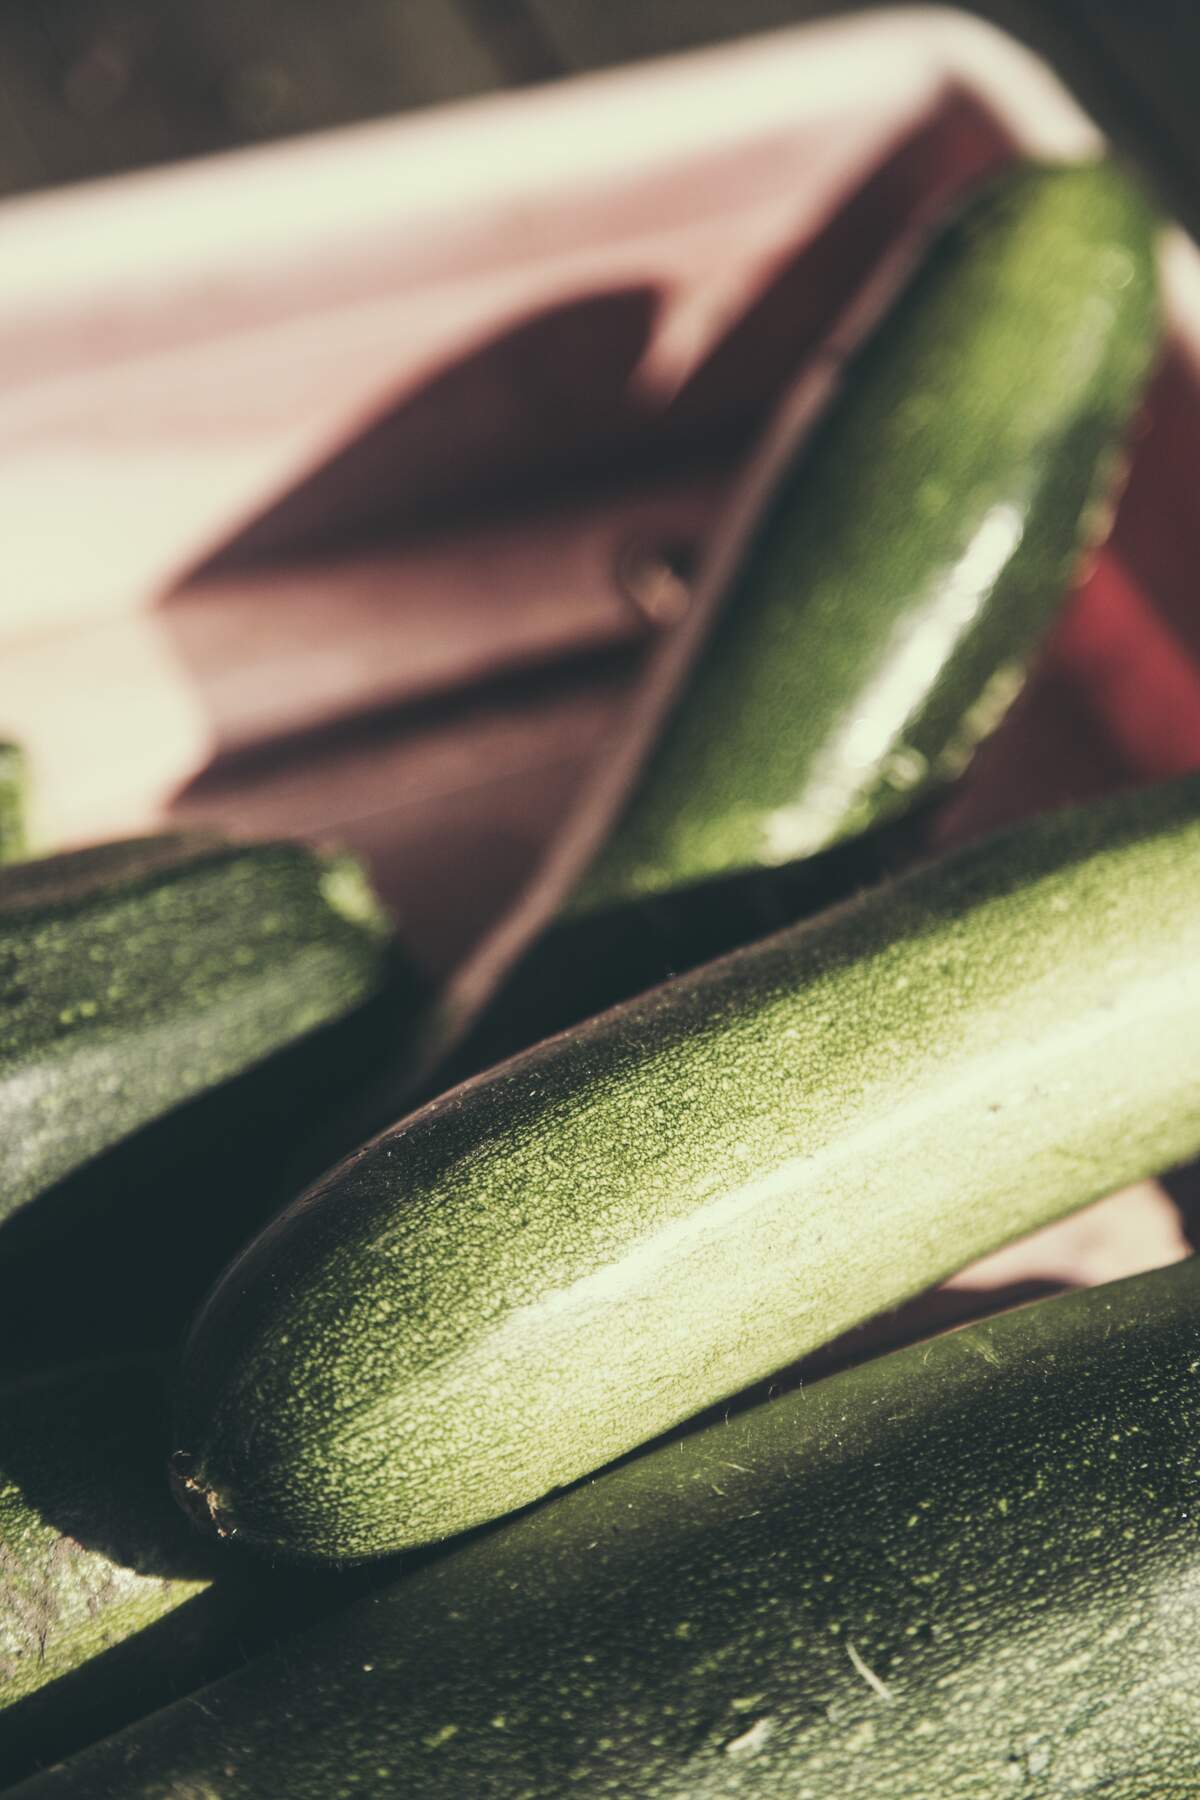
(446, 861)
(508, 414)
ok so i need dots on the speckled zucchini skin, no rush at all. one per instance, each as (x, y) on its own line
(13, 779)
(90, 1547)
(560, 1260)
(915, 553)
(587, 962)
(136, 975)
(966, 1571)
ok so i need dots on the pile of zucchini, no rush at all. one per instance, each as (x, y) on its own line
(966, 1568)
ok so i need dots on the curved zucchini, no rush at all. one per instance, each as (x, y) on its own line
(968, 1570)
(137, 975)
(914, 554)
(13, 780)
(570, 1254)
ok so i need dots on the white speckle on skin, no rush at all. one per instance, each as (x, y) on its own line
(873, 1681)
(436, 1739)
(750, 1742)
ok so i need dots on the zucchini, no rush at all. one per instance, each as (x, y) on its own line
(135, 976)
(13, 779)
(965, 1571)
(886, 604)
(568, 1255)
(586, 962)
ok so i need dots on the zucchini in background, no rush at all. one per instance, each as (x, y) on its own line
(910, 559)
(565, 1257)
(969, 1568)
(14, 777)
(137, 975)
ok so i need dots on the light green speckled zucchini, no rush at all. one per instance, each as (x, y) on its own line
(559, 1260)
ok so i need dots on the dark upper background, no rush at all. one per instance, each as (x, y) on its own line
(90, 87)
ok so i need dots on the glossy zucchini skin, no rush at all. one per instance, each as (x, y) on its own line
(914, 553)
(13, 779)
(966, 1570)
(138, 975)
(567, 1256)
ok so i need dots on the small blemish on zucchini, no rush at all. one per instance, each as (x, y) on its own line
(202, 1504)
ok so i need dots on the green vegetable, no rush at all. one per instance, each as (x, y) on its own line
(885, 608)
(135, 976)
(586, 962)
(966, 1571)
(563, 1258)
(13, 780)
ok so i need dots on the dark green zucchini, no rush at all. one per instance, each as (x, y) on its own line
(13, 781)
(884, 608)
(966, 1571)
(136, 976)
(557, 1261)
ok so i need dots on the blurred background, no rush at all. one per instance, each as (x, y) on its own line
(91, 87)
